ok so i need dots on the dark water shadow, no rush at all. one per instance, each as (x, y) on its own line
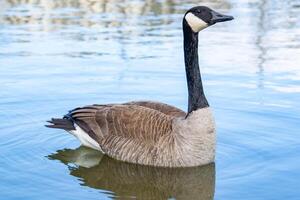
(124, 180)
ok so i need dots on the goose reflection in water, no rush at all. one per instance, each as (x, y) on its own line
(127, 180)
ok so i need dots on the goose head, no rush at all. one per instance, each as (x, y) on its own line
(201, 17)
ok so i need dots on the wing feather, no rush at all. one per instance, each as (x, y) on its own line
(123, 121)
(129, 131)
(162, 107)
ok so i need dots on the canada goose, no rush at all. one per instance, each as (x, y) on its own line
(152, 133)
(131, 181)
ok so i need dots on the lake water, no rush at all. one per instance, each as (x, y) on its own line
(59, 54)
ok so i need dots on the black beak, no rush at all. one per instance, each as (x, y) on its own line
(217, 17)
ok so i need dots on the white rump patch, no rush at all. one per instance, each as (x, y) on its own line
(195, 22)
(85, 139)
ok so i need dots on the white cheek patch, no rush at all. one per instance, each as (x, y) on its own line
(195, 22)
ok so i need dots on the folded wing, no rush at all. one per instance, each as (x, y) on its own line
(126, 131)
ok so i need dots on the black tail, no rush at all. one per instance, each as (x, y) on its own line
(65, 124)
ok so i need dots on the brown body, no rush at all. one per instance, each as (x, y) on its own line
(148, 133)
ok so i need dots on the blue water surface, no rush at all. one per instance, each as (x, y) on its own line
(59, 54)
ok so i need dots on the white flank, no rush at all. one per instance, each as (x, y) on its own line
(85, 139)
(195, 22)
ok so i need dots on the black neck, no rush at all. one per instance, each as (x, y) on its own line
(197, 98)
